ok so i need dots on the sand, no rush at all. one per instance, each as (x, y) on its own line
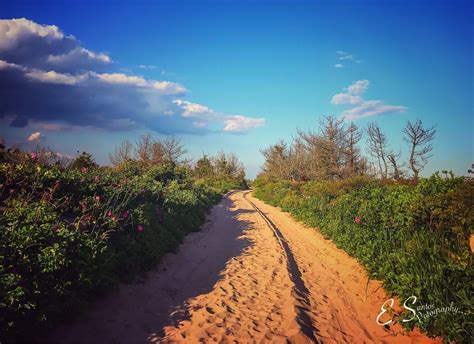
(251, 275)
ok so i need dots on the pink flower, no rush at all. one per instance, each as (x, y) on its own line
(84, 169)
(109, 213)
(34, 156)
(97, 198)
(358, 220)
(126, 214)
(140, 228)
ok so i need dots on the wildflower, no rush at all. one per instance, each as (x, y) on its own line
(110, 214)
(33, 156)
(140, 228)
(96, 178)
(84, 169)
(97, 198)
(358, 220)
(126, 214)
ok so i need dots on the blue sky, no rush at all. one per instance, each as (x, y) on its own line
(259, 70)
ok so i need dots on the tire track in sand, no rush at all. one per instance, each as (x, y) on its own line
(301, 293)
(260, 298)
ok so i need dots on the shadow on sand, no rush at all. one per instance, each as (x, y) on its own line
(138, 312)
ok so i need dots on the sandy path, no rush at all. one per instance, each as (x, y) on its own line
(252, 274)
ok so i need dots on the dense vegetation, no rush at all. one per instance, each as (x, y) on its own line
(414, 234)
(71, 230)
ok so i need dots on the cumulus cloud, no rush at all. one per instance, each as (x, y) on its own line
(203, 116)
(67, 85)
(29, 44)
(239, 124)
(193, 109)
(358, 87)
(35, 137)
(358, 107)
(344, 98)
(338, 65)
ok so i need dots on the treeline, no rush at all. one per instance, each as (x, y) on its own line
(223, 170)
(71, 229)
(333, 153)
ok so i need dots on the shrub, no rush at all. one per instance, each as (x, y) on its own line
(71, 234)
(414, 238)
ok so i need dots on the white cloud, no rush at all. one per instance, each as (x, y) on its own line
(11, 31)
(164, 87)
(167, 87)
(239, 124)
(371, 108)
(338, 65)
(205, 116)
(7, 65)
(344, 98)
(77, 55)
(343, 55)
(73, 90)
(53, 77)
(35, 137)
(122, 79)
(358, 87)
(143, 66)
(359, 107)
(45, 47)
(193, 109)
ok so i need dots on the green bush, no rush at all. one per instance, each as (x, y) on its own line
(414, 238)
(71, 234)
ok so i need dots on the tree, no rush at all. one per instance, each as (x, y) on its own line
(419, 139)
(331, 152)
(276, 160)
(228, 165)
(122, 153)
(325, 149)
(157, 153)
(144, 148)
(47, 156)
(204, 167)
(83, 160)
(173, 151)
(377, 147)
(393, 158)
(356, 163)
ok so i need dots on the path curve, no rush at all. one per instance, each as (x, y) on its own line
(251, 275)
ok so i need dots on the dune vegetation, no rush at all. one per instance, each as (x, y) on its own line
(412, 233)
(71, 229)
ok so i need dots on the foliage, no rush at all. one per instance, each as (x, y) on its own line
(413, 237)
(332, 152)
(70, 234)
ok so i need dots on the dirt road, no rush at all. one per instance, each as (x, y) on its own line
(251, 275)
